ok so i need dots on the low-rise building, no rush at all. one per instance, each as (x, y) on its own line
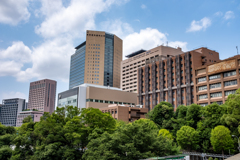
(125, 113)
(95, 96)
(35, 115)
(214, 82)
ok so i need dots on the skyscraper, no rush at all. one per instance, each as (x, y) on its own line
(42, 95)
(97, 60)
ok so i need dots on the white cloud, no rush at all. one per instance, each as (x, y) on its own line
(229, 15)
(199, 25)
(117, 27)
(143, 6)
(10, 68)
(72, 20)
(17, 52)
(147, 39)
(50, 60)
(12, 94)
(14, 11)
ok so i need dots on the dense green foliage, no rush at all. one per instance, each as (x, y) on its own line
(73, 134)
(221, 139)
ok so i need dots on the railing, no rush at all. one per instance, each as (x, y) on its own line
(207, 154)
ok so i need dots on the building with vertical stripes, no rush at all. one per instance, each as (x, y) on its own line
(172, 79)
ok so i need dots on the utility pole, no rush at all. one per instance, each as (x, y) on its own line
(237, 49)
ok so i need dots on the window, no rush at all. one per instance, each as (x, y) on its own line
(217, 94)
(227, 93)
(216, 76)
(202, 79)
(230, 83)
(201, 88)
(203, 96)
(215, 85)
(231, 73)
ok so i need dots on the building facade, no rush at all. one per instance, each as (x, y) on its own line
(216, 81)
(125, 112)
(95, 96)
(35, 115)
(42, 95)
(97, 60)
(139, 59)
(172, 79)
(9, 110)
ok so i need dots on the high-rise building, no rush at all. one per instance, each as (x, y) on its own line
(97, 60)
(139, 59)
(9, 110)
(42, 95)
(172, 79)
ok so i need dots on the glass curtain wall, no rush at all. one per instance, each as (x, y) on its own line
(108, 60)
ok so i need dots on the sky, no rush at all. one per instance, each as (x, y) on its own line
(37, 37)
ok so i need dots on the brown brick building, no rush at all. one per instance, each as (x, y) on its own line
(42, 95)
(172, 78)
(125, 113)
(216, 81)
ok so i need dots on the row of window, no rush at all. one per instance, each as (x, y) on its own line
(109, 102)
(217, 76)
(218, 85)
(216, 94)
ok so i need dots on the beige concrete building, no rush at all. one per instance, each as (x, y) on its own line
(97, 60)
(125, 112)
(95, 96)
(214, 82)
(172, 79)
(138, 59)
(36, 115)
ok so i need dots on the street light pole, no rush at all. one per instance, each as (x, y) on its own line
(238, 142)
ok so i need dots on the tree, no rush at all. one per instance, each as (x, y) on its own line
(165, 133)
(232, 117)
(132, 141)
(161, 114)
(221, 139)
(188, 138)
(27, 119)
(5, 152)
(193, 115)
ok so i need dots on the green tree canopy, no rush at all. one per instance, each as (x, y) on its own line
(161, 114)
(165, 133)
(131, 141)
(193, 115)
(188, 138)
(221, 139)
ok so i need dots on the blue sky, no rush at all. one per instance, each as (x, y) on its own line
(37, 37)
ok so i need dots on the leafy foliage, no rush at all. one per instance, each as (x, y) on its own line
(221, 139)
(188, 138)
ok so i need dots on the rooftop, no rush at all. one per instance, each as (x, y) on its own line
(135, 53)
(80, 45)
(98, 86)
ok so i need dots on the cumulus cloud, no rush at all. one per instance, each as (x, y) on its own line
(73, 19)
(147, 39)
(229, 15)
(218, 13)
(199, 25)
(14, 11)
(50, 60)
(117, 27)
(13, 58)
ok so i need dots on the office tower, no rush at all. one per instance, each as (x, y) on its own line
(95, 96)
(172, 79)
(9, 110)
(140, 58)
(97, 60)
(213, 83)
(42, 95)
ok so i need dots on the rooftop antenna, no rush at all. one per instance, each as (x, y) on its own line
(237, 49)
(167, 43)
